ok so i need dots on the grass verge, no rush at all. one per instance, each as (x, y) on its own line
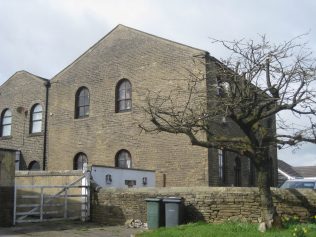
(224, 230)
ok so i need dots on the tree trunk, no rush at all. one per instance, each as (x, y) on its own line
(267, 209)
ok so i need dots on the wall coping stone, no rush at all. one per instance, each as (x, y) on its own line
(49, 173)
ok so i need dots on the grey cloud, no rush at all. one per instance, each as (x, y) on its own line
(43, 37)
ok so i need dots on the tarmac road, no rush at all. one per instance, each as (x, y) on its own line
(67, 229)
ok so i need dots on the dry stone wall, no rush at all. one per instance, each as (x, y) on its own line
(210, 204)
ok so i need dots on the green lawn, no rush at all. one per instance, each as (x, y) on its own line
(224, 230)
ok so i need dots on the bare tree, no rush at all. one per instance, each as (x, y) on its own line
(249, 90)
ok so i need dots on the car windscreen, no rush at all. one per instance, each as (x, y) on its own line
(298, 184)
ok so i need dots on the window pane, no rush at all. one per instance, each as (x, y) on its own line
(128, 163)
(85, 92)
(122, 163)
(7, 113)
(81, 112)
(86, 110)
(7, 120)
(121, 105)
(37, 116)
(128, 94)
(128, 104)
(82, 93)
(81, 101)
(37, 126)
(122, 94)
(34, 166)
(86, 100)
(127, 85)
(38, 108)
(6, 130)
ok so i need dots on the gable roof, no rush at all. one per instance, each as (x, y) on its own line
(288, 169)
(161, 38)
(25, 72)
(306, 171)
(120, 26)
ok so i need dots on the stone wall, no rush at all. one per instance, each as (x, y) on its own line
(114, 206)
(7, 167)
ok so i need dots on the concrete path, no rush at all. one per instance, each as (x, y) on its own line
(67, 229)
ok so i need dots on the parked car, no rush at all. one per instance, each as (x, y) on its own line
(299, 183)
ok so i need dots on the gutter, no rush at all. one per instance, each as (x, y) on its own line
(285, 174)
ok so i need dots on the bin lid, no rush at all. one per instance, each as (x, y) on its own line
(152, 199)
(172, 199)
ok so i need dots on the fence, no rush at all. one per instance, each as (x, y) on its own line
(46, 196)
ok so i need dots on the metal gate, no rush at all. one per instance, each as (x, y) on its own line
(38, 203)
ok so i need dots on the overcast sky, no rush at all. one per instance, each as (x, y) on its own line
(44, 36)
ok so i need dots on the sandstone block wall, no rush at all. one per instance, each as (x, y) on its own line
(113, 206)
(148, 62)
(19, 94)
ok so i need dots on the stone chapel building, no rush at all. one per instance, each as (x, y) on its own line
(90, 112)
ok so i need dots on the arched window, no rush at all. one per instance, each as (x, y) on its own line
(80, 161)
(36, 119)
(123, 96)
(221, 166)
(237, 169)
(123, 159)
(6, 122)
(252, 174)
(82, 103)
(34, 165)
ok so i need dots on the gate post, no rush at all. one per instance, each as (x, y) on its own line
(85, 192)
(7, 178)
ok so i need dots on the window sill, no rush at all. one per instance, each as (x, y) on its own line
(124, 111)
(6, 138)
(81, 118)
(36, 134)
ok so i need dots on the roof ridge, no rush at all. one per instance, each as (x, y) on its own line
(165, 39)
(24, 71)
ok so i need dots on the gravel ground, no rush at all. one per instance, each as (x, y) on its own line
(67, 229)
